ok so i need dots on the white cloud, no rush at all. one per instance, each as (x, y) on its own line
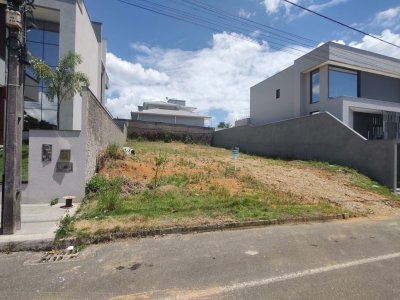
(374, 45)
(276, 6)
(216, 77)
(272, 6)
(246, 14)
(389, 18)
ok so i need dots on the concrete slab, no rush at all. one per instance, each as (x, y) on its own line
(39, 223)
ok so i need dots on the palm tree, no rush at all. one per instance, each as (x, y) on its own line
(63, 82)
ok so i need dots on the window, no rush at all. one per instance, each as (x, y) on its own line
(342, 82)
(315, 82)
(43, 43)
(278, 93)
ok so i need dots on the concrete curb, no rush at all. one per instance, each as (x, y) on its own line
(47, 244)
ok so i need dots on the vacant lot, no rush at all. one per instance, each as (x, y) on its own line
(165, 184)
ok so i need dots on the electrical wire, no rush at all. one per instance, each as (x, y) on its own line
(205, 23)
(341, 23)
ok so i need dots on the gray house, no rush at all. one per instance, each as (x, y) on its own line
(335, 104)
(171, 112)
(360, 88)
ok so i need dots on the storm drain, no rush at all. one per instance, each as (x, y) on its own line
(59, 255)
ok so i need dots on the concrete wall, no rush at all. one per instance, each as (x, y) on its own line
(265, 107)
(157, 131)
(98, 131)
(379, 87)
(172, 120)
(319, 137)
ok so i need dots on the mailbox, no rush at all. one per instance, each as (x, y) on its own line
(64, 164)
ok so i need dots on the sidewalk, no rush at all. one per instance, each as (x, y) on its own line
(39, 223)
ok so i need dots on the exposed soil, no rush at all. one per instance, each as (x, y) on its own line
(208, 167)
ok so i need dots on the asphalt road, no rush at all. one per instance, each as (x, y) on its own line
(356, 259)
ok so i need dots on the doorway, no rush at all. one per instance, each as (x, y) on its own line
(368, 125)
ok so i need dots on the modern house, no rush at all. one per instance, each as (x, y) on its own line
(61, 161)
(360, 88)
(171, 112)
(335, 104)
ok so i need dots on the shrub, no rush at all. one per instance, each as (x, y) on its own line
(188, 140)
(96, 184)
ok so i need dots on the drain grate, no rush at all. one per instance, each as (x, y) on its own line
(59, 255)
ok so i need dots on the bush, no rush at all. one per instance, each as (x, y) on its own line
(188, 140)
(96, 184)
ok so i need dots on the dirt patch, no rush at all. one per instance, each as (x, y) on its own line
(207, 168)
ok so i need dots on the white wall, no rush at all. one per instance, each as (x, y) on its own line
(44, 182)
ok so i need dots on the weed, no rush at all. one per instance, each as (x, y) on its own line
(176, 179)
(54, 201)
(229, 171)
(96, 184)
(160, 160)
(185, 163)
(109, 201)
(114, 152)
(66, 227)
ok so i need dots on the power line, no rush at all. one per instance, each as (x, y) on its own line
(216, 26)
(340, 23)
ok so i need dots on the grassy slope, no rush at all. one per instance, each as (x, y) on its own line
(193, 190)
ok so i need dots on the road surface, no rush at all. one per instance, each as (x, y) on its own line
(355, 259)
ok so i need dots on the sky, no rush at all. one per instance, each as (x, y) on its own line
(224, 47)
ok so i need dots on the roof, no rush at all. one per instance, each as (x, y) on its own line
(168, 112)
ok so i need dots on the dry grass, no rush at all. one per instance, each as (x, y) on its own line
(199, 185)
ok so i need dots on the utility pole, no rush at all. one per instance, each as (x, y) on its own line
(12, 166)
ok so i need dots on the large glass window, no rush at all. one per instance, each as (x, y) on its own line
(315, 83)
(342, 82)
(44, 44)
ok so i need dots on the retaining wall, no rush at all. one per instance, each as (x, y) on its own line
(159, 131)
(100, 130)
(319, 137)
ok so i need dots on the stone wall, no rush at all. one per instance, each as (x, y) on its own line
(161, 131)
(100, 130)
(319, 137)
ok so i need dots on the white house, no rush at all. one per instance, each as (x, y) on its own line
(171, 112)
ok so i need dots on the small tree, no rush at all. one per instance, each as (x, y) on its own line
(224, 125)
(64, 82)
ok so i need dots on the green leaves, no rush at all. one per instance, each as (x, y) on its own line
(63, 82)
